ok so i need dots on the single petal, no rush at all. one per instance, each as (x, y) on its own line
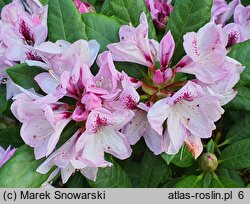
(136, 127)
(66, 173)
(115, 143)
(47, 82)
(107, 75)
(90, 173)
(174, 135)
(190, 45)
(210, 35)
(92, 150)
(59, 127)
(157, 114)
(194, 145)
(153, 140)
(167, 46)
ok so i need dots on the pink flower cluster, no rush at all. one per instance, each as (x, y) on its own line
(190, 112)
(160, 11)
(239, 30)
(106, 107)
(22, 28)
(5, 155)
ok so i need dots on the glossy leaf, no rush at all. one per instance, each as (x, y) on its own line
(4, 102)
(224, 182)
(241, 53)
(236, 156)
(102, 28)
(191, 181)
(111, 177)
(210, 146)
(241, 101)
(183, 159)
(153, 169)
(232, 174)
(20, 170)
(206, 180)
(167, 157)
(44, 2)
(11, 136)
(240, 130)
(77, 181)
(64, 21)
(23, 75)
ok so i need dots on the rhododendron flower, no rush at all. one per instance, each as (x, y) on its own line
(66, 159)
(42, 124)
(22, 31)
(5, 155)
(160, 11)
(60, 56)
(22, 28)
(206, 51)
(104, 104)
(221, 11)
(134, 46)
(241, 18)
(239, 31)
(102, 135)
(84, 7)
(235, 34)
(190, 115)
(206, 48)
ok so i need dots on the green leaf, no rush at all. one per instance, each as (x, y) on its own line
(153, 170)
(44, 2)
(111, 177)
(102, 28)
(248, 186)
(20, 170)
(77, 181)
(23, 75)
(133, 70)
(67, 133)
(4, 102)
(2, 125)
(206, 180)
(187, 16)
(224, 182)
(167, 157)
(183, 159)
(229, 173)
(134, 171)
(64, 21)
(241, 101)
(210, 146)
(241, 52)
(236, 156)
(105, 10)
(11, 136)
(191, 181)
(240, 130)
(129, 11)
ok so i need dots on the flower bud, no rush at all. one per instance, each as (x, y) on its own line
(208, 162)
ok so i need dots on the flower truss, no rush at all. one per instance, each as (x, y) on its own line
(110, 109)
